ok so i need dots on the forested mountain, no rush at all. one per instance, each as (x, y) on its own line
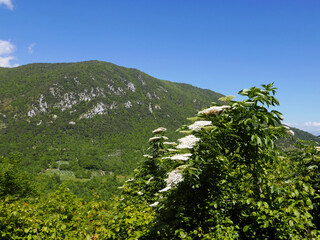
(234, 172)
(88, 116)
(225, 179)
(87, 119)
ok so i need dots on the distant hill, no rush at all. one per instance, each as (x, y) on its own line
(305, 135)
(298, 134)
(89, 115)
(92, 116)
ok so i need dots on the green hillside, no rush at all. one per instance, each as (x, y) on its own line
(77, 121)
(225, 179)
(88, 118)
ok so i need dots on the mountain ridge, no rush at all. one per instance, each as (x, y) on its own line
(90, 115)
(90, 103)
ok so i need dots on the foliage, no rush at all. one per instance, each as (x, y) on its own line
(60, 216)
(128, 219)
(306, 167)
(13, 181)
(235, 181)
(112, 142)
(226, 179)
(64, 216)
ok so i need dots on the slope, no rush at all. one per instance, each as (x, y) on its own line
(88, 116)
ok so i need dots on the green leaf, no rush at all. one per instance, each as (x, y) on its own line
(278, 114)
(266, 224)
(291, 223)
(308, 202)
(246, 228)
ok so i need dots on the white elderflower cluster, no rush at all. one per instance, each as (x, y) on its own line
(290, 132)
(165, 189)
(157, 138)
(182, 157)
(159, 130)
(215, 109)
(187, 142)
(172, 150)
(196, 126)
(174, 177)
(154, 138)
(154, 204)
(149, 180)
(170, 143)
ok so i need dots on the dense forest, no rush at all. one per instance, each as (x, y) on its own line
(236, 173)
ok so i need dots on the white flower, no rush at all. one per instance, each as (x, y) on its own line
(154, 204)
(165, 189)
(290, 132)
(159, 130)
(140, 193)
(318, 149)
(147, 156)
(182, 157)
(172, 150)
(155, 138)
(214, 109)
(174, 177)
(196, 126)
(169, 143)
(149, 180)
(188, 142)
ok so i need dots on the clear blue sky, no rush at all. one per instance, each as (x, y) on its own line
(220, 45)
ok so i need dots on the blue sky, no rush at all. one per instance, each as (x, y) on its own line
(220, 45)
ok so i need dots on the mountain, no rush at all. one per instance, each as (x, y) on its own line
(305, 135)
(77, 121)
(298, 134)
(93, 117)
(90, 116)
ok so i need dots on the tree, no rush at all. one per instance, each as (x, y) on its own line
(228, 180)
(13, 181)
